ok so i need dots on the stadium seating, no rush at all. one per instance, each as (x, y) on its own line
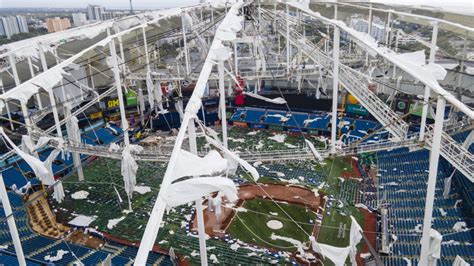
(402, 187)
(273, 117)
(18, 171)
(351, 130)
(253, 115)
(36, 247)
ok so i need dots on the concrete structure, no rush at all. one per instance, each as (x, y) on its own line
(79, 19)
(22, 25)
(362, 25)
(106, 15)
(95, 12)
(10, 26)
(57, 24)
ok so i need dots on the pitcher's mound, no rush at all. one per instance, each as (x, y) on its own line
(275, 224)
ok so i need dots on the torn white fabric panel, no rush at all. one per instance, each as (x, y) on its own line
(49, 79)
(40, 170)
(27, 144)
(460, 227)
(469, 140)
(226, 35)
(188, 20)
(355, 234)
(232, 23)
(73, 131)
(58, 193)
(48, 163)
(278, 100)
(417, 61)
(295, 242)
(24, 91)
(150, 89)
(158, 95)
(233, 156)
(447, 185)
(21, 93)
(460, 261)
(435, 244)
(23, 190)
(42, 141)
(114, 147)
(283, 118)
(216, 204)
(129, 168)
(337, 255)
(178, 105)
(220, 52)
(29, 47)
(59, 256)
(193, 189)
(127, 23)
(354, 239)
(82, 220)
(424, 76)
(172, 255)
(74, 88)
(316, 154)
(189, 164)
(233, 165)
(165, 13)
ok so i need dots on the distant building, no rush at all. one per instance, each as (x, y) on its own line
(79, 19)
(95, 12)
(57, 24)
(10, 26)
(112, 14)
(362, 25)
(22, 25)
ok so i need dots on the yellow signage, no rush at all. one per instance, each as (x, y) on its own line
(113, 103)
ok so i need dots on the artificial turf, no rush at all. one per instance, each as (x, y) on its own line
(103, 174)
(328, 234)
(251, 226)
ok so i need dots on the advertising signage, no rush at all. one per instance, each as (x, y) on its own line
(113, 103)
(356, 109)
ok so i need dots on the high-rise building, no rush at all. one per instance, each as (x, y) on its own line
(57, 24)
(22, 25)
(79, 19)
(10, 26)
(2, 28)
(362, 25)
(112, 14)
(95, 12)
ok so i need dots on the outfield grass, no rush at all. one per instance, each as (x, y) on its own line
(337, 166)
(329, 232)
(259, 232)
(101, 176)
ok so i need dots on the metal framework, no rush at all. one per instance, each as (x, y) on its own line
(218, 39)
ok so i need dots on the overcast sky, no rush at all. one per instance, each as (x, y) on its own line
(458, 6)
(139, 4)
(461, 6)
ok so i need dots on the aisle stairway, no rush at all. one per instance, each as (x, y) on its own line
(42, 219)
(454, 153)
